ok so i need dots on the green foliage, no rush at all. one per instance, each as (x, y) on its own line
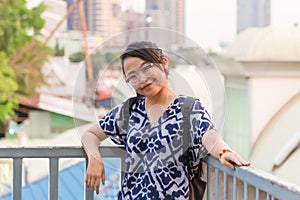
(77, 57)
(16, 21)
(8, 87)
(22, 56)
(28, 65)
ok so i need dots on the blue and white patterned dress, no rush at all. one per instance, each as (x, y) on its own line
(154, 170)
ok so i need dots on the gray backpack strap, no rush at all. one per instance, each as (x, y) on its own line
(127, 110)
(186, 110)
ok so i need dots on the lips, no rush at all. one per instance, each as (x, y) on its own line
(146, 86)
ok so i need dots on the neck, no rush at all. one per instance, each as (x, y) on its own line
(163, 98)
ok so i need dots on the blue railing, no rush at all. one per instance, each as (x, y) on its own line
(223, 183)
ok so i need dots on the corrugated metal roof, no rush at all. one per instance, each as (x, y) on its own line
(71, 184)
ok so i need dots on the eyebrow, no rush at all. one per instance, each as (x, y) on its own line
(133, 71)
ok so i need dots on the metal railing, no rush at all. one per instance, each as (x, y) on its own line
(223, 183)
(246, 183)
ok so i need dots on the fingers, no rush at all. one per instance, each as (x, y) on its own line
(240, 161)
(103, 178)
(227, 163)
(97, 185)
(94, 174)
(94, 182)
(231, 159)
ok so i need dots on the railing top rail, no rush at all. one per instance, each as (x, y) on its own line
(56, 152)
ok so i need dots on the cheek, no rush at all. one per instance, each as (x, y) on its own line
(161, 77)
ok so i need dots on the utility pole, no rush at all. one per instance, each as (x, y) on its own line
(84, 30)
(86, 47)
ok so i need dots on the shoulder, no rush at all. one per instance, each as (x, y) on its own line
(191, 100)
(133, 102)
(195, 103)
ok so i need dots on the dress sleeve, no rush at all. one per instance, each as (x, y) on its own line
(112, 124)
(200, 124)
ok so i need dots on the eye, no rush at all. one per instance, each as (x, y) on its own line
(132, 77)
(147, 69)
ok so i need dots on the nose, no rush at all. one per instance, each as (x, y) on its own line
(142, 79)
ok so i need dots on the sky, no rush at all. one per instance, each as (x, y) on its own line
(209, 22)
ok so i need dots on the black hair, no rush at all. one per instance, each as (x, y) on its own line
(145, 50)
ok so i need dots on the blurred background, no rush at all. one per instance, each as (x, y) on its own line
(59, 71)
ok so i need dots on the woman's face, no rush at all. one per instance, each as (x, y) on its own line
(148, 79)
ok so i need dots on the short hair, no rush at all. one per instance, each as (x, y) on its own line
(145, 50)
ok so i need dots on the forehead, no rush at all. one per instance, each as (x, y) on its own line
(131, 63)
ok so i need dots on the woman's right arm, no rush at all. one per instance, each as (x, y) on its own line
(91, 140)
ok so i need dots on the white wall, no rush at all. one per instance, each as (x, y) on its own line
(267, 96)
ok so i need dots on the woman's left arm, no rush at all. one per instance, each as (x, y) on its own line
(217, 147)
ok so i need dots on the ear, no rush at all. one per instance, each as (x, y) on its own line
(165, 62)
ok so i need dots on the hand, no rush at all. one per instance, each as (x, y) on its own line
(230, 159)
(94, 173)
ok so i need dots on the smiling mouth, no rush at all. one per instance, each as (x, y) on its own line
(145, 86)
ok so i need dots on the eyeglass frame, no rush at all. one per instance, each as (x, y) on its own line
(140, 72)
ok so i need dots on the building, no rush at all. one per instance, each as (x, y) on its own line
(174, 10)
(167, 15)
(102, 17)
(262, 80)
(253, 13)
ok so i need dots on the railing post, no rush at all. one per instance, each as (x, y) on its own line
(225, 185)
(216, 184)
(256, 194)
(123, 166)
(234, 192)
(17, 179)
(245, 191)
(53, 179)
(208, 190)
(89, 193)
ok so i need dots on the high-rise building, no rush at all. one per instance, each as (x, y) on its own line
(101, 16)
(73, 22)
(174, 10)
(168, 15)
(253, 13)
(108, 19)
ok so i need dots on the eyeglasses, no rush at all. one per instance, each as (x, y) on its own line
(145, 70)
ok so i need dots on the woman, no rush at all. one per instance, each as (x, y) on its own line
(152, 140)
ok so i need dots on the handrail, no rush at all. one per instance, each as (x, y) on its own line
(53, 153)
(269, 184)
(264, 185)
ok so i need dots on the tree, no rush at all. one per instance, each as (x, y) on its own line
(28, 64)
(18, 24)
(8, 87)
(23, 55)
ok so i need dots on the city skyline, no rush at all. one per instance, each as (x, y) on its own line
(210, 22)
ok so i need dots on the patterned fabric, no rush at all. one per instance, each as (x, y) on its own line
(155, 169)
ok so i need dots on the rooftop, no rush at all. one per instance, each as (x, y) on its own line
(266, 44)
